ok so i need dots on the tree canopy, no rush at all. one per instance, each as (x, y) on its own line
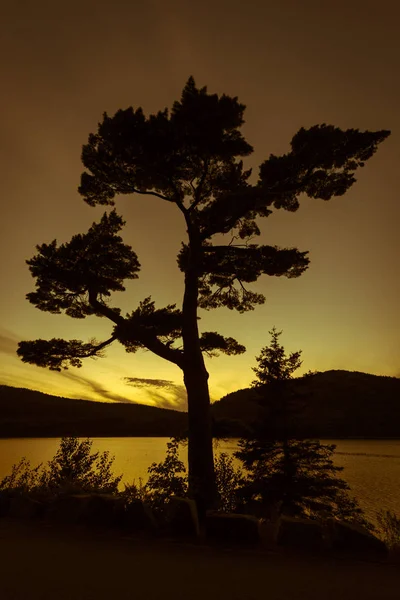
(191, 157)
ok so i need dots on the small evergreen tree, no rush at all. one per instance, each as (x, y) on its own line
(291, 476)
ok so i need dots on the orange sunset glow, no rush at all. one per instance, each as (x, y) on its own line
(63, 68)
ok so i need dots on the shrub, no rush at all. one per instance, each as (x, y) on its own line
(23, 479)
(229, 479)
(73, 469)
(169, 478)
(389, 527)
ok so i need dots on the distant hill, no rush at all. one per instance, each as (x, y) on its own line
(336, 404)
(28, 413)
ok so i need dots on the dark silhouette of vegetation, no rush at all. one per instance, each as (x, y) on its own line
(389, 528)
(74, 468)
(286, 475)
(190, 157)
(169, 478)
(166, 479)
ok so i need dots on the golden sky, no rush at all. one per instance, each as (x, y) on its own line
(293, 64)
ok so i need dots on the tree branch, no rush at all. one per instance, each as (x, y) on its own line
(58, 353)
(104, 310)
(130, 335)
(103, 344)
(135, 191)
(199, 188)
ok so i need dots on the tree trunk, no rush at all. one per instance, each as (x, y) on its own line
(202, 485)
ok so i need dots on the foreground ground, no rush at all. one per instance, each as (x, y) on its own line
(41, 562)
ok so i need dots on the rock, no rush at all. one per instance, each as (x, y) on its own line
(90, 509)
(69, 508)
(268, 532)
(22, 507)
(353, 539)
(137, 516)
(102, 510)
(394, 554)
(182, 517)
(4, 503)
(303, 534)
(232, 528)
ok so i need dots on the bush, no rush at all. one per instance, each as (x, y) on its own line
(74, 466)
(23, 479)
(229, 479)
(73, 469)
(389, 527)
(169, 478)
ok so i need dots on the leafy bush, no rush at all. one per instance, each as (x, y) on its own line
(23, 479)
(229, 479)
(389, 527)
(169, 478)
(74, 468)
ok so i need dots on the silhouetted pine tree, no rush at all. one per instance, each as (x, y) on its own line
(189, 157)
(284, 474)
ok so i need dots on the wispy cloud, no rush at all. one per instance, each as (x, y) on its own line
(164, 393)
(8, 342)
(95, 387)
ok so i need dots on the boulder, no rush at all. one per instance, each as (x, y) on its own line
(268, 532)
(69, 508)
(302, 534)
(90, 509)
(353, 539)
(22, 507)
(102, 510)
(182, 518)
(262, 510)
(394, 554)
(137, 516)
(232, 528)
(4, 503)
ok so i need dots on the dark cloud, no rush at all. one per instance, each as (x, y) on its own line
(176, 399)
(95, 387)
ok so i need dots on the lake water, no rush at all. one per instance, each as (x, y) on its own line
(371, 467)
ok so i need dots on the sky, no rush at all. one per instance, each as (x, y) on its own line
(292, 64)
